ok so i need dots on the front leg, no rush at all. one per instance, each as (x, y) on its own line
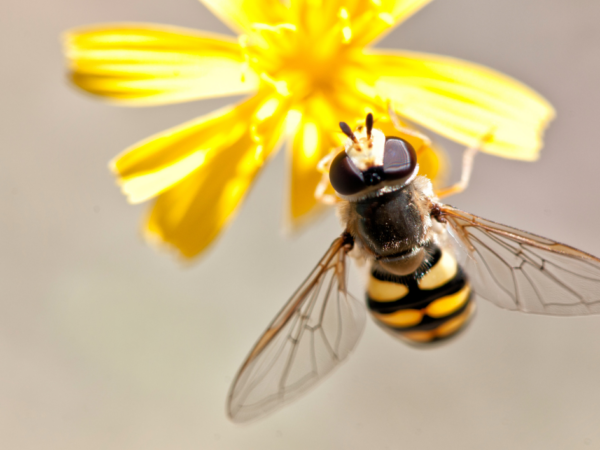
(320, 190)
(467, 168)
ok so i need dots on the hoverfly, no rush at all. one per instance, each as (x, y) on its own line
(417, 289)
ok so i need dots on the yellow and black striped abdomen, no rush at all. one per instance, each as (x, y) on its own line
(422, 309)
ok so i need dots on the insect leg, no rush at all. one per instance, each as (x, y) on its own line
(398, 125)
(323, 167)
(467, 168)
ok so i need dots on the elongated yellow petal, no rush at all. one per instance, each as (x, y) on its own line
(180, 149)
(312, 142)
(240, 15)
(154, 165)
(463, 101)
(401, 10)
(370, 20)
(155, 64)
(191, 213)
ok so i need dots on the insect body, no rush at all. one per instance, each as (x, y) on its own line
(417, 290)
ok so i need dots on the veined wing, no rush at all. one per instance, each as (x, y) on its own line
(522, 271)
(316, 329)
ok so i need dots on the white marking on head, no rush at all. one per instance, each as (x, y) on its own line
(365, 152)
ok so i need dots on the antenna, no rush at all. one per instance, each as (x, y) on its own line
(369, 124)
(348, 131)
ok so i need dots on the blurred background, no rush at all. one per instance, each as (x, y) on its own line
(106, 343)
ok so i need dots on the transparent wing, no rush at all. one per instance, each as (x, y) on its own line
(521, 271)
(316, 329)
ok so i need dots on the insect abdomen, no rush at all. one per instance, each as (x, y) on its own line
(432, 308)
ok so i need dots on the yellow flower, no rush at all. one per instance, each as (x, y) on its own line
(307, 64)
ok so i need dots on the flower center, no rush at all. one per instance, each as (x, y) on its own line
(297, 60)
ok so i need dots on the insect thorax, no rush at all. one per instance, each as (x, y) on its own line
(392, 228)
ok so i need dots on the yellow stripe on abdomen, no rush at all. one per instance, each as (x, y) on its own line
(440, 274)
(447, 305)
(444, 331)
(432, 308)
(385, 291)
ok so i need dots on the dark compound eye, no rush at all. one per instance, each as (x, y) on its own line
(399, 162)
(345, 177)
(399, 159)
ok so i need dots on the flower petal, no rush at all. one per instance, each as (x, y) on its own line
(370, 20)
(151, 166)
(155, 64)
(190, 214)
(312, 142)
(156, 164)
(462, 101)
(240, 15)
(355, 22)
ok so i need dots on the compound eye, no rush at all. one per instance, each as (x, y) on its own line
(344, 176)
(399, 159)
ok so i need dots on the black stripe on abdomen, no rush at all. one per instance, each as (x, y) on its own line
(431, 307)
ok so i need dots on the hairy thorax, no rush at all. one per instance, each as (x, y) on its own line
(392, 227)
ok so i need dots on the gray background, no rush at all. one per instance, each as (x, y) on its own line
(108, 344)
